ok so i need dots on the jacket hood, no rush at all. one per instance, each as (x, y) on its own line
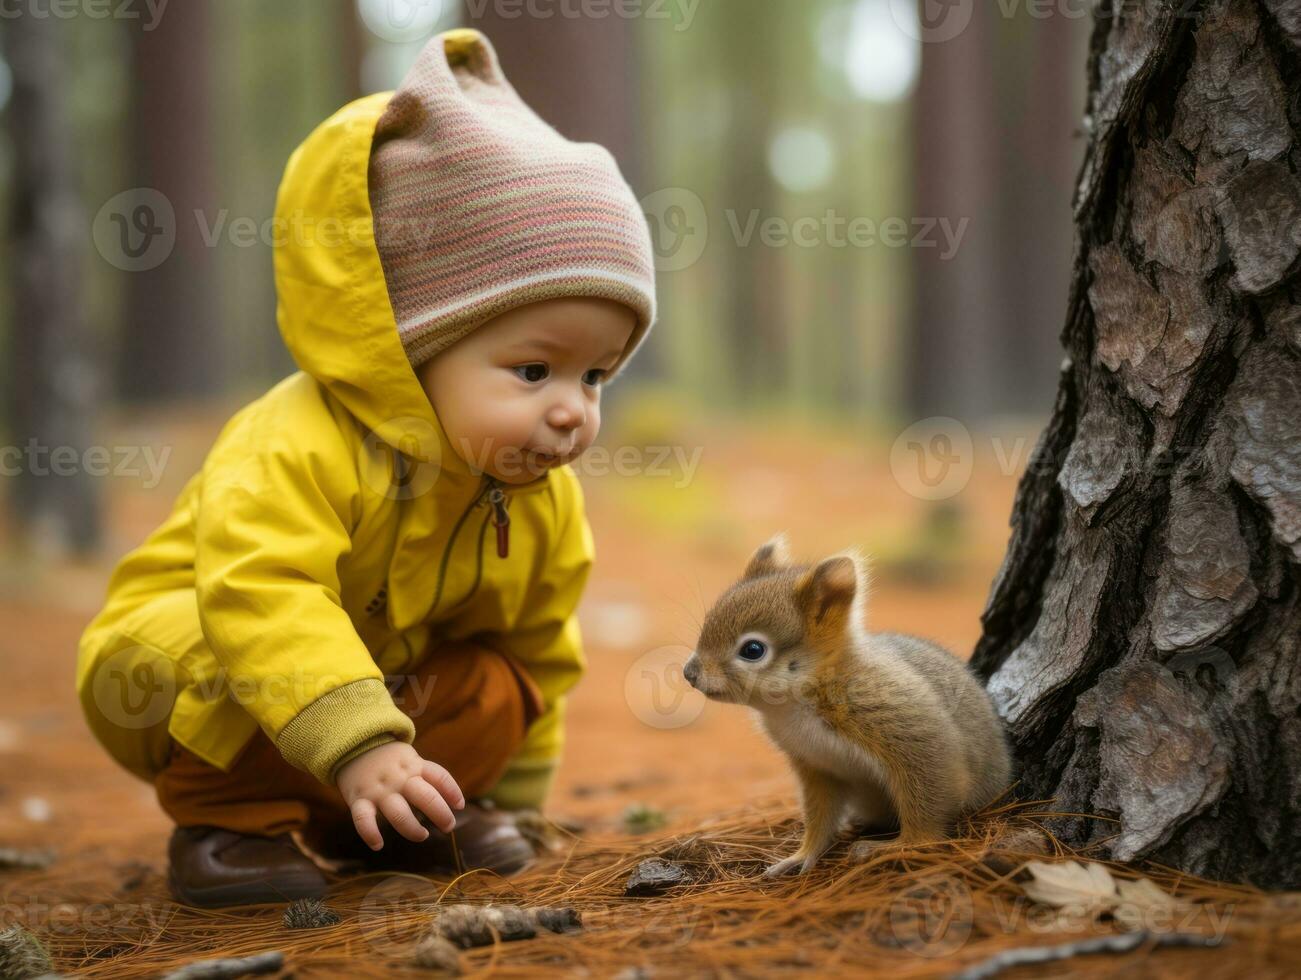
(332, 304)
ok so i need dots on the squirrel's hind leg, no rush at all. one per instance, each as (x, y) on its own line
(824, 799)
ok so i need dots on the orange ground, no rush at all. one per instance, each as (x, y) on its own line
(663, 552)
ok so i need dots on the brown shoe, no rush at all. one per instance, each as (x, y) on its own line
(212, 868)
(487, 838)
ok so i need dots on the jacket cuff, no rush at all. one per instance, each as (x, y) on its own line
(524, 786)
(340, 725)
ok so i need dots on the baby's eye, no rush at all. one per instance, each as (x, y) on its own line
(752, 650)
(533, 373)
(594, 377)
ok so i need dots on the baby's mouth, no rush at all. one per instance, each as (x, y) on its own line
(548, 458)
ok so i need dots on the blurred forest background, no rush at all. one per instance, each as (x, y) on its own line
(864, 245)
(724, 114)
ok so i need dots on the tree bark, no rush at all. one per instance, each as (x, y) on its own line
(1141, 639)
(51, 359)
(956, 344)
(171, 346)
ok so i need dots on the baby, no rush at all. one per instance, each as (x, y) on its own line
(326, 643)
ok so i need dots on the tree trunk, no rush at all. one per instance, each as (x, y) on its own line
(1141, 639)
(956, 348)
(352, 49)
(51, 360)
(171, 346)
(756, 341)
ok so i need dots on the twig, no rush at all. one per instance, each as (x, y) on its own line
(1118, 943)
(19, 858)
(225, 969)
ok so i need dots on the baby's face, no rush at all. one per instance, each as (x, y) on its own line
(522, 392)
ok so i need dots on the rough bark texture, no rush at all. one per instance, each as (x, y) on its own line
(1141, 639)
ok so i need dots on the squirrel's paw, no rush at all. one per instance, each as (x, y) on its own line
(864, 850)
(795, 864)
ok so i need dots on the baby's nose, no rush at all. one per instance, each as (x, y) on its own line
(564, 415)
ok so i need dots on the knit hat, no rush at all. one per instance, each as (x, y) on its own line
(480, 206)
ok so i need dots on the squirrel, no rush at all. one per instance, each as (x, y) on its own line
(891, 727)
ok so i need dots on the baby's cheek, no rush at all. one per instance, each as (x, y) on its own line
(496, 430)
(592, 426)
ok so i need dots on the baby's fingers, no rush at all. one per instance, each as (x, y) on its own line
(363, 818)
(419, 792)
(399, 814)
(442, 781)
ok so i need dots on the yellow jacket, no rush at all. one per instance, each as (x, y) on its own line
(331, 533)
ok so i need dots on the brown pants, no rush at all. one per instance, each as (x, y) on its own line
(471, 707)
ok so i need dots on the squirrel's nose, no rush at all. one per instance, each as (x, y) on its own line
(691, 670)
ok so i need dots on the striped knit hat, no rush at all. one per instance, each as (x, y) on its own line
(480, 206)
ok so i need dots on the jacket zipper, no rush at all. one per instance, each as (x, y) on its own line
(451, 541)
(491, 491)
(478, 566)
(500, 518)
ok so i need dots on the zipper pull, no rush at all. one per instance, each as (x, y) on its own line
(500, 520)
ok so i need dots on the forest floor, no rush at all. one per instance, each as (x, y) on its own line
(649, 768)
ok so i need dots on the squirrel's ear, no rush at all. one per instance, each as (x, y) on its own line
(772, 556)
(831, 593)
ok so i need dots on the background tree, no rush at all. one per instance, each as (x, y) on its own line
(995, 144)
(1141, 638)
(171, 345)
(50, 363)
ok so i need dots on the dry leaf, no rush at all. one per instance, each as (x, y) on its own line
(1139, 900)
(1068, 884)
(1072, 884)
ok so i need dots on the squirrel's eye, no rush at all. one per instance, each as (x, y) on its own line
(531, 372)
(752, 650)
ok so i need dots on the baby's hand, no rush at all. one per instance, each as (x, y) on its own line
(388, 779)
